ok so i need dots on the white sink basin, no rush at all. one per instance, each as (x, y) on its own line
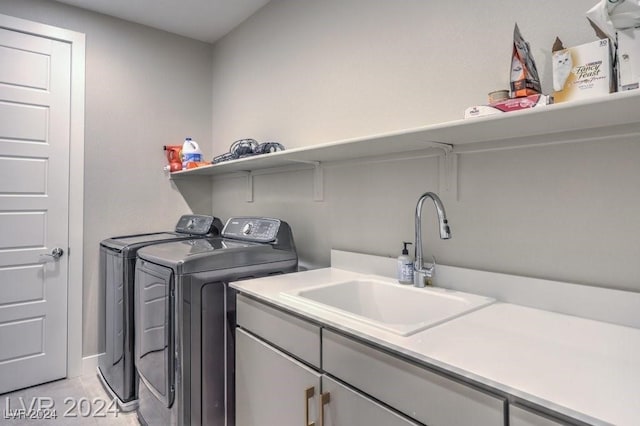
(400, 309)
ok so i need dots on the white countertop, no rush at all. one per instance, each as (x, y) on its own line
(586, 369)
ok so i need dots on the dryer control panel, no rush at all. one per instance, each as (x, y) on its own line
(195, 224)
(257, 229)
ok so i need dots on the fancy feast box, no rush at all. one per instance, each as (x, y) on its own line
(583, 71)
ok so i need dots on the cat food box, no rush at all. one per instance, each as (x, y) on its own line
(582, 72)
(508, 105)
(628, 58)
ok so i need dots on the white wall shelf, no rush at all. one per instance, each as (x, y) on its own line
(609, 116)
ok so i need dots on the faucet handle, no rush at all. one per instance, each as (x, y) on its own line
(423, 276)
(432, 268)
(432, 272)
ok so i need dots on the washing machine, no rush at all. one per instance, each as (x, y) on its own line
(117, 269)
(185, 318)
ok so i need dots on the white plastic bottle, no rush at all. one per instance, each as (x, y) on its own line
(405, 266)
(190, 152)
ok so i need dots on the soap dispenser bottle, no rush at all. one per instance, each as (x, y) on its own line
(405, 266)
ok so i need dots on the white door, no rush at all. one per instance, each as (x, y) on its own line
(35, 85)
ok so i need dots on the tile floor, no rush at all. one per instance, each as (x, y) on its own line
(62, 394)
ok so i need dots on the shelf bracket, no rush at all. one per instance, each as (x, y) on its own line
(448, 171)
(318, 178)
(318, 182)
(249, 186)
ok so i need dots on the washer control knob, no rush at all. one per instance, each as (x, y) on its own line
(246, 229)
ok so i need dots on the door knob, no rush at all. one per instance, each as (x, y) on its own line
(56, 254)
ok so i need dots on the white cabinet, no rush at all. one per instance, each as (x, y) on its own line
(271, 387)
(274, 389)
(280, 380)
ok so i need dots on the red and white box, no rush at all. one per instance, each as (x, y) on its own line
(508, 105)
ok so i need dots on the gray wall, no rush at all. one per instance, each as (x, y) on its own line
(144, 89)
(310, 72)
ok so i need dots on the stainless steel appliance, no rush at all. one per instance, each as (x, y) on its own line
(117, 269)
(185, 318)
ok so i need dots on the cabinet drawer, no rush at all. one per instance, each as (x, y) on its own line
(417, 392)
(524, 417)
(296, 336)
(348, 407)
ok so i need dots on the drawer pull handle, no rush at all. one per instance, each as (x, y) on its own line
(308, 394)
(325, 398)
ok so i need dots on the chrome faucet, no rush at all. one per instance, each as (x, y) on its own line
(420, 272)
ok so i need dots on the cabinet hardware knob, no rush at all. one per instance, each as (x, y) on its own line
(325, 398)
(308, 394)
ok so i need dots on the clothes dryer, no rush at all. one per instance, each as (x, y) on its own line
(116, 369)
(185, 318)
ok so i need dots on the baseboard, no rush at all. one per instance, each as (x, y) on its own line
(90, 364)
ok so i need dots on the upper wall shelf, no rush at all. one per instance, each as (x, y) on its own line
(613, 115)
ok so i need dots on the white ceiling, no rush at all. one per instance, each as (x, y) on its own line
(205, 20)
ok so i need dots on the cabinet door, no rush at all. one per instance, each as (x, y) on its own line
(348, 407)
(271, 387)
